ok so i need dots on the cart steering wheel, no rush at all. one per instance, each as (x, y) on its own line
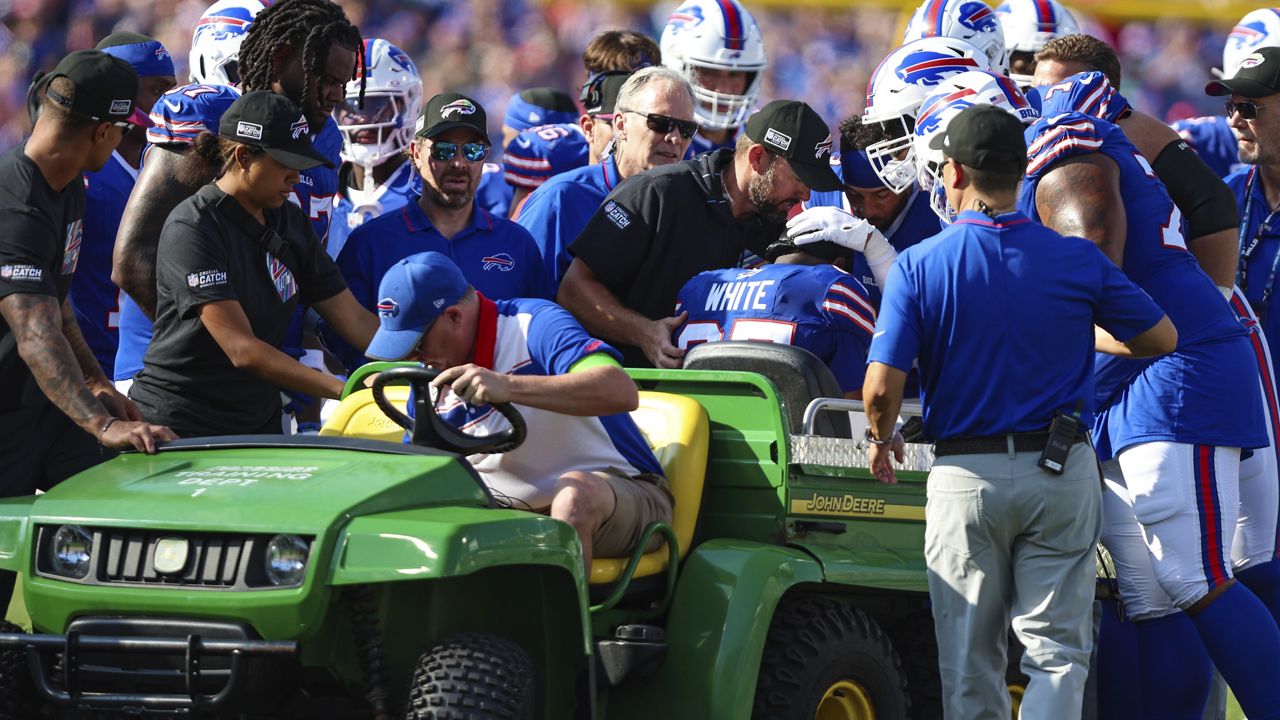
(428, 429)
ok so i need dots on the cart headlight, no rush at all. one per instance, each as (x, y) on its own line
(286, 560)
(71, 551)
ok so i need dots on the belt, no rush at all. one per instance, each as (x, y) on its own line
(1022, 442)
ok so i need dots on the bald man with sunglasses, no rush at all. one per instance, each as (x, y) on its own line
(652, 121)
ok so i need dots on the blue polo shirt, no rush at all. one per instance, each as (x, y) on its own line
(96, 300)
(495, 255)
(1258, 223)
(970, 305)
(559, 209)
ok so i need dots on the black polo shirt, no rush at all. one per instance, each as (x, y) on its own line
(40, 234)
(661, 227)
(187, 382)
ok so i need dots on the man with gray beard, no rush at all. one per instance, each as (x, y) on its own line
(497, 257)
(663, 226)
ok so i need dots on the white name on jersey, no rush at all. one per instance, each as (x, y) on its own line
(731, 296)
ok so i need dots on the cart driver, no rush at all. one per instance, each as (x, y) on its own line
(584, 460)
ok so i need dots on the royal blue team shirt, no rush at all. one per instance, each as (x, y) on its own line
(559, 209)
(96, 300)
(495, 255)
(970, 305)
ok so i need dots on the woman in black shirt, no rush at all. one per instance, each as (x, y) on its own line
(232, 263)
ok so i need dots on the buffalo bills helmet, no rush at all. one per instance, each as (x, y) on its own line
(946, 101)
(1030, 24)
(1258, 29)
(382, 127)
(215, 44)
(710, 35)
(970, 20)
(898, 86)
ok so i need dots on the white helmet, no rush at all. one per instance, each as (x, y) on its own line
(1258, 29)
(215, 44)
(946, 101)
(970, 20)
(898, 86)
(715, 35)
(1029, 25)
(383, 127)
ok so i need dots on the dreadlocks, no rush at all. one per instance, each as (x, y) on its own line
(310, 25)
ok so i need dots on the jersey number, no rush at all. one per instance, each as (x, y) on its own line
(701, 331)
(1171, 231)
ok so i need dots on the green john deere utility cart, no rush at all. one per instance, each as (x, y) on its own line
(353, 575)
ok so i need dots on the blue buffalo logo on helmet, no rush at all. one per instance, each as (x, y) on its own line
(977, 16)
(388, 308)
(498, 261)
(1248, 34)
(226, 23)
(460, 107)
(931, 115)
(685, 16)
(927, 67)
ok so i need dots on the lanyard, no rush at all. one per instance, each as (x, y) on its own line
(1247, 253)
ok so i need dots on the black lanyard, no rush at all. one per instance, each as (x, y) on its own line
(1242, 275)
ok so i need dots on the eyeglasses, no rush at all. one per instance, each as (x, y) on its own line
(1247, 110)
(446, 151)
(663, 124)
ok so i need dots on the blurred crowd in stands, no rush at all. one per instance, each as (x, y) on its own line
(492, 48)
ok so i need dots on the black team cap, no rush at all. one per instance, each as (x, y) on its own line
(795, 131)
(984, 137)
(105, 88)
(447, 111)
(1258, 75)
(276, 124)
(600, 94)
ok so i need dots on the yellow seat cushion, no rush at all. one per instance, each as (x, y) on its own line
(678, 432)
(675, 426)
(359, 416)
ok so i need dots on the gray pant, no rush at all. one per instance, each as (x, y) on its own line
(1006, 541)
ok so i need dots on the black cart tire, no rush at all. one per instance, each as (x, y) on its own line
(825, 660)
(472, 676)
(17, 691)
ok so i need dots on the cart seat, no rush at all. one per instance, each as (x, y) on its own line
(358, 416)
(675, 426)
(678, 432)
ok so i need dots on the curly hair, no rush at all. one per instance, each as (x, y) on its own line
(309, 26)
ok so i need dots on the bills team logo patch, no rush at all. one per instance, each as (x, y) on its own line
(501, 262)
(286, 286)
(458, 107)
(71, 250)
(299, 128)
(1253, 60)
(822, 148)
(388, 308)
(929, 68)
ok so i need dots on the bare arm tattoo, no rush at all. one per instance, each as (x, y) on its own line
(168, 177)
(1081, 196)
(34, 321)
(87, 361)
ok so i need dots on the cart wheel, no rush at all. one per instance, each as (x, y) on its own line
(826, 661)
(472, 676)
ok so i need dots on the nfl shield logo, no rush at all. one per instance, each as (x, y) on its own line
(286, 286)
(71, 250)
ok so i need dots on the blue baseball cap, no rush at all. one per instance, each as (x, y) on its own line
(148, 56)
(412, 294)
(539, 106)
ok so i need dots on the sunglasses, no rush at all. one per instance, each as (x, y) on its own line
(1247, 110)
(663, 124)
(446, 151)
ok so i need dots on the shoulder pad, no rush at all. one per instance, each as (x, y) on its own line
(184, 112)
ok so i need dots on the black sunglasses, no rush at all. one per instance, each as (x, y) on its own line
(663, 124)
(1247, 110)
(446, 151)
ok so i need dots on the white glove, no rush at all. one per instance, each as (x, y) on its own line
(831, 224)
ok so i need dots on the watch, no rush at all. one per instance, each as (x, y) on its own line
(867, 435)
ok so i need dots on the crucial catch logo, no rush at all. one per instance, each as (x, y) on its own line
(21, 273)
(202, 279)
(617, 214)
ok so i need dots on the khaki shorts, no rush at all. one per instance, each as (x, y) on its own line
(639, 500)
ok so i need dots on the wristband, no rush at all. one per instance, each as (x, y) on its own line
(874, 441)
(105, 425)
